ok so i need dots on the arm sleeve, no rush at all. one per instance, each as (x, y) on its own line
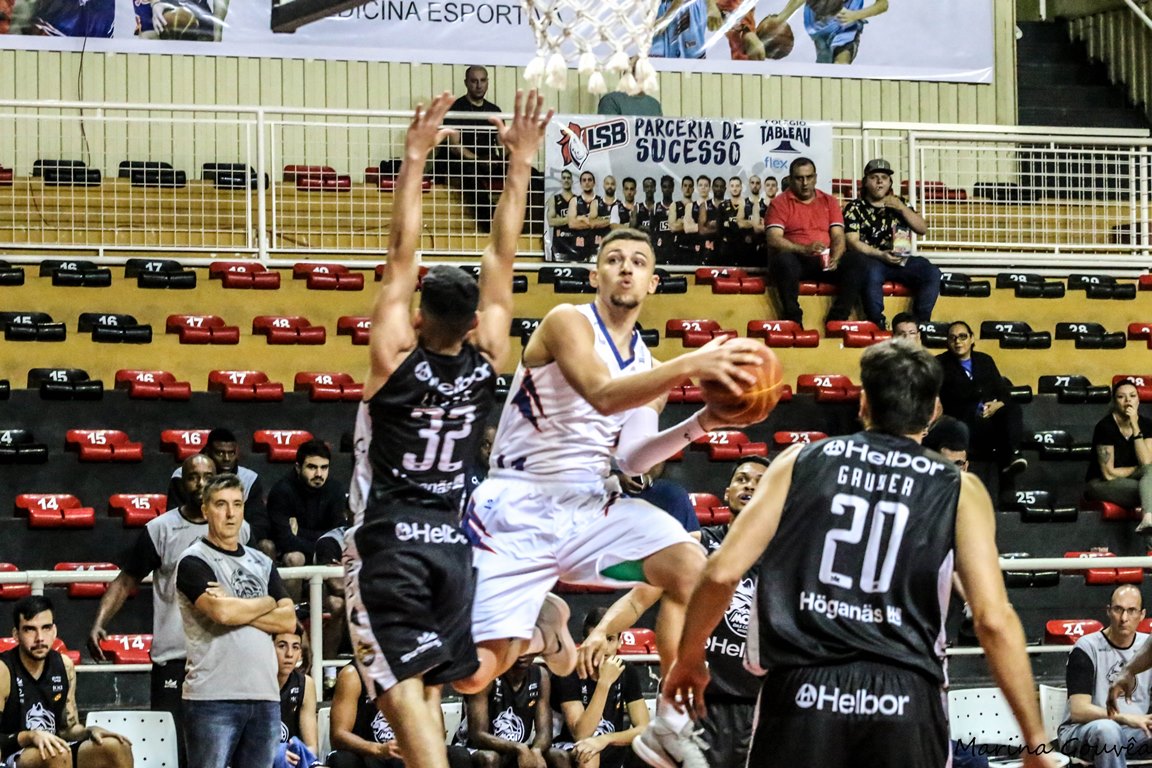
(276, 588)
(641, 447)
(775, 215)
(567, 688)
(630, 688)
(192, 577)
(143, 558)
(1081, 673)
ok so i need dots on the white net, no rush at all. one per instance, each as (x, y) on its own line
(598, 37)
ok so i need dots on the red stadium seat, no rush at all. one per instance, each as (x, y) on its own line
(61, 648)
(86, 588)
(783, 333)
(1083, 556)
(103, 445)
(1113, 575)
(828, 387)
(281, 444)
(13, 591)
(1146, 282)
(636, 641)
(184, 442)
(152, 385)
(738, 285)
(293, 173)
(721, 516)
(54, 510)
(704, 504)
(244, 274)
(137, 508)
(1110, 511)
(845, 188)
(689, 393)
(329, 387)
(202, 329)
(1143, 384)
(896, 289)
(809, 288)
(288, 329)
(339, 183)
(359, 328)
(128, 649)
(676, 328)
(244, 386)
(858, 339)
(328, 277)
(836, 329)
(1068, 631)
(729, 445)
(784, 439)
(707, 275)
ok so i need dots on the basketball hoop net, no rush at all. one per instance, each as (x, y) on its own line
(596, 36)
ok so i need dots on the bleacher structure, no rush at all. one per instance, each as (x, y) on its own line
(165, 287)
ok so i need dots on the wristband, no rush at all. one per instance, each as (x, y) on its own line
(9, 743)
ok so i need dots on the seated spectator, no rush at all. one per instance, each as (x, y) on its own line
(222, 448)
(39, 724)
(732, 691)
(361, 736)
(232, 602)
(949, 438)
(806, 242)
(594, 709)
(1088, 731)
(1122, 443)
(974, 392)
(878, 224)
(509, 724)
(157, 550)
(304, 504)
(298, 742)
(904, 326)
(330, 551)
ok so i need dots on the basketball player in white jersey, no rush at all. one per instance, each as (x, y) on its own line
(586, 392)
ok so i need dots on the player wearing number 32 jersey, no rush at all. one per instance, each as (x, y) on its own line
(853, 540)
(408, 567)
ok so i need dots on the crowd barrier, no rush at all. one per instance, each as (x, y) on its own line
(280, 185)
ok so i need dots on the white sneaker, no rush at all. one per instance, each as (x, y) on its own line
(559, 652)
(662, 746)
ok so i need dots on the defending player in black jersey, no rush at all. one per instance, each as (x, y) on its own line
(426, 399)
(854, 540)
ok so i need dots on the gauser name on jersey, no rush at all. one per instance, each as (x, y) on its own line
(832, 608)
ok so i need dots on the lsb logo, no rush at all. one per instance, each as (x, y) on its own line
(577, 142)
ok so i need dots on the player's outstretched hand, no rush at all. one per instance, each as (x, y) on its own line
(523, 136)
(590, 654)
(720, 359)
(685, 683)
(425, 131)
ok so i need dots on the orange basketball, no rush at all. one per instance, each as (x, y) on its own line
(776, 36)
(757, 401)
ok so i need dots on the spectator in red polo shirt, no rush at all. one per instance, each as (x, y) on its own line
(806, 242)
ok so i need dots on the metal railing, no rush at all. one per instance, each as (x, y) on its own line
(315, 576)
(992, 195)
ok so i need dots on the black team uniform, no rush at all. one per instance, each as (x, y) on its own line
(850, 607)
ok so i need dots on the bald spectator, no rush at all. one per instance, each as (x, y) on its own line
(470, 160)
(222, 447)
(806, 242)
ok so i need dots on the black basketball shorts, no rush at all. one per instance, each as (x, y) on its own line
(862, 713)
(409, 588)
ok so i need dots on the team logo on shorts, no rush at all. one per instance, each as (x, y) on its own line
(284, 735)
(509, 726)
(40, 719)
(740, 609)
(382, 729)
(605, 726)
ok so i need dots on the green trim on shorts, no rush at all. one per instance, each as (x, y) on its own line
(629, 570)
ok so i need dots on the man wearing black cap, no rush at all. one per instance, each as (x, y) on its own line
(408, 566)
(879, 225)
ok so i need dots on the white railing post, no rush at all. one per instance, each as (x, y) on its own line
(316, 631)
(262, 168)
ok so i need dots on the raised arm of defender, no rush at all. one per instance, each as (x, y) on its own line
(521, 139)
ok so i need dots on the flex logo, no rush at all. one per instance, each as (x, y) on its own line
(578, 142)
